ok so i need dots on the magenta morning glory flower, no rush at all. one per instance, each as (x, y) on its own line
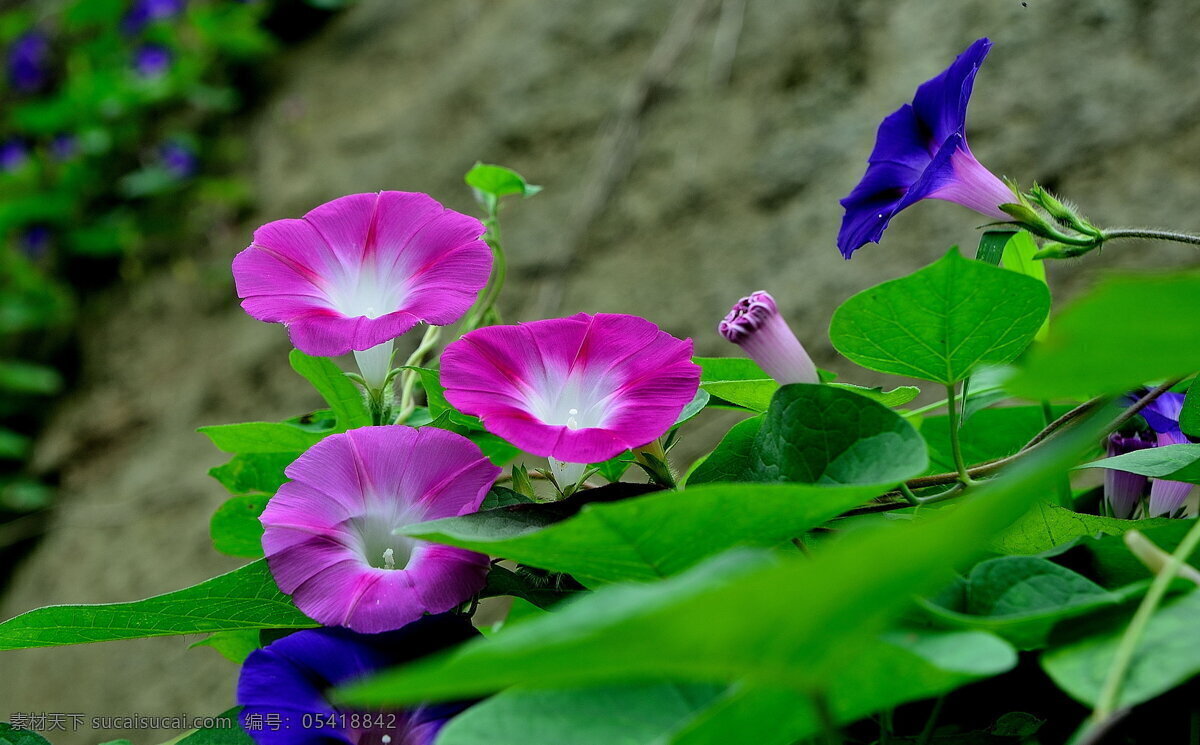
(756, 326)
(920, 153)
(577, 390)
(329, 534)
(283, 687)
(361, 270)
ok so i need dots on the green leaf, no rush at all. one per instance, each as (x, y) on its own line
(1166, 656)
(245, 598)
(1022, 599)
(895, 669)
(235, 645)
(254, 472)
(694, 407)
(498, 181)
(739, 381)
(942, 321)
(229, 733)
(500, 496)
(648, 537)
(29, 378)
(990, 434)
(501, 581)
(343, 397)
(1189, 417)
(798, 620)
(235, 528)
(261, 437)
(1174, 462)
(13, 446)
(435, 396)
(991, 246)
(818, 434)
(632, 715)
(732, 458)
(1098, 346)
(898, 396)
(1048, 526)
(10, 735)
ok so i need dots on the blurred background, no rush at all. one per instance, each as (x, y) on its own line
(691, 151)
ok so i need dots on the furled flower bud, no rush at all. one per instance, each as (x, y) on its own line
(755, 325)
(1124, 490)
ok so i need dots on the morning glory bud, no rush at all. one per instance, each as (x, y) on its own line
(755, 325)
(1123, 491)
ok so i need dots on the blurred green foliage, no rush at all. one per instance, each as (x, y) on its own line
(111, 115)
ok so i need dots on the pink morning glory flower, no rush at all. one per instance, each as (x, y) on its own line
(329, 534)
(920, 153)
(577, 390)
(357, 272)
(755, 325)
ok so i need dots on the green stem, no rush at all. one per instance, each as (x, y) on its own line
(908, 495)
(408, 379)
(1153, 235)
(1065, 498)
(1110, 694)
(955, 444)
(491, 293)
(931, 723)
(830, 734)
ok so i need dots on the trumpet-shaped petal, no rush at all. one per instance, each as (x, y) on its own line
(362, 270)
(921, 152)
(330, 533)
(1123, 491)
(580, 389)
(755, 325)
(283, 688)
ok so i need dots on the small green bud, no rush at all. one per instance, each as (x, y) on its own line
(1053, 250)
(521, 483)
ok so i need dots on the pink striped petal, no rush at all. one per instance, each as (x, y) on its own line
(579, 389)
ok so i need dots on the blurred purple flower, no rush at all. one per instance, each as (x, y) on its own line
(35, 241)
(13, 155)
(152, 60)
(330, 534)
(179, 159)
(920, 153)
(63, 146)
(29, 62)
(755, 325)
(287, 683)
(145, 12)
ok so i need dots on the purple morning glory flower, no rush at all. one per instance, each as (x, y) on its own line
(35, 241)
(145, 12)
(920, 153)
(283, 687)
(357, 272)
(1123, 491)
(13, 155)
(179, 159)
(29, 62)
(329, 534)
(63, 146)
(1162, 414)
(755, 325)
(151, 60)
(578, 390)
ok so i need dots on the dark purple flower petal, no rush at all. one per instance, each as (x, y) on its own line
(1123, 490)
(920, 153)
(152, 60)
(284, 687)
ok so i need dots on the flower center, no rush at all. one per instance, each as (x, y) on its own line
(577, 403)
(370, 293)
(378, 545)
